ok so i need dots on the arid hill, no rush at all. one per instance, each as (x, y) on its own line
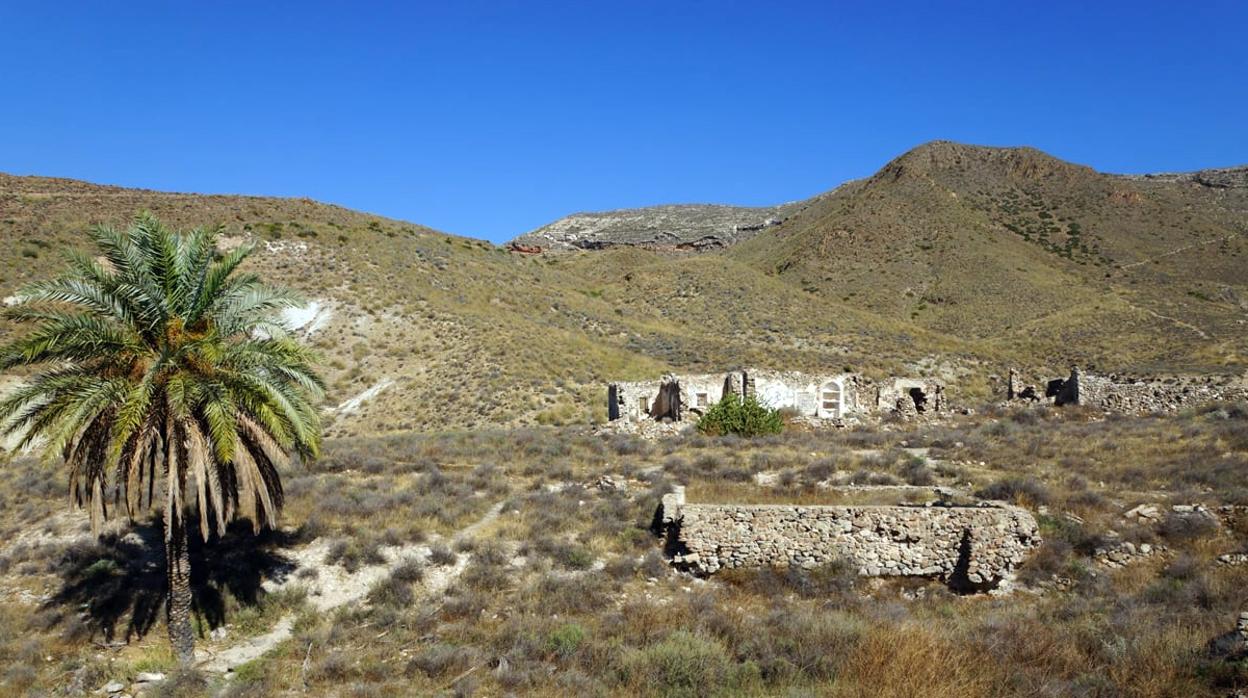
(953, 260)
(1017, 248)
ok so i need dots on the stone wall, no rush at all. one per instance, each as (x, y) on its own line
(645, 399)
(1114, 393)
(910, 395)
(1117, 394)
(968, 547)
(819, 396)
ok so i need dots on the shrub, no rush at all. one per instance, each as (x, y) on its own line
(441, 555)
(916, 472)
(354, 553)
(1177, 527)
(742, 417)
(800, 640)
(181, 682)
(833, 580)
(443, 660)
(685, 665)
(574, 557)
(1053, 558)
(1022, 490)
(565, 640)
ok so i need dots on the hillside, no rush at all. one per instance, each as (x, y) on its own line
(424, 330)
(1018, 249)
(691, 227)
(956, 260)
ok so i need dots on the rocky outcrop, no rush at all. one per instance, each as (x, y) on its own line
(1216, 178)
(521, 248)
(693, 228)
(971, 548)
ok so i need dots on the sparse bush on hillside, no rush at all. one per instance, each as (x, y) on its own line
(1016, 489)
(686, 665)
(742, 417)
(833, 580)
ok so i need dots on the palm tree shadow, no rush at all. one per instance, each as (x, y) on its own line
(118, 585)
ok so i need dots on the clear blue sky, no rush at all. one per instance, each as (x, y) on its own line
(491, 118)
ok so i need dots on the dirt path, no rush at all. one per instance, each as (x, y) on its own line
(332, 587)
(1180, 250)
(1180, 323)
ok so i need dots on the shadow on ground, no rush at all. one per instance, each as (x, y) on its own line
(116, 586)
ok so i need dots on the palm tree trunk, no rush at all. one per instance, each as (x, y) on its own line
(177, 554)
(178, 605)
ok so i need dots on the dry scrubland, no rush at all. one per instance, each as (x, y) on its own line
(566, 591)
(953, 261)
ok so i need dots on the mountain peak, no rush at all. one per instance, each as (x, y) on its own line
(936, 157)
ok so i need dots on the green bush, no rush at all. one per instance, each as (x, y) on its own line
(565, 640)
(743, 417)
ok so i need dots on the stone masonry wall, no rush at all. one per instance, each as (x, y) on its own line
(1120, 394)
(802, 393)
(972, 546)
(1114, 394)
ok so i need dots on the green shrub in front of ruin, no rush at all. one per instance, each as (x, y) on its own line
(742, 417)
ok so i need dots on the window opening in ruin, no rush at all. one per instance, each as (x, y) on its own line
(920, 399)
(703, 399)
(1054, 387)
(831, 397)
(645, 404)
(667, 404)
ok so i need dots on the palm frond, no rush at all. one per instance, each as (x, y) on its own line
(160, 360)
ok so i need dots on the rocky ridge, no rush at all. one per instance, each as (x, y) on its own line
(692, 227)
(1216, 178)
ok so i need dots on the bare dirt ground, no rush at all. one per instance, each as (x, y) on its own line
(330, 586)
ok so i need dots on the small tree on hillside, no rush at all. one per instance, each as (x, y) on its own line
(162, 364)
(741, 416)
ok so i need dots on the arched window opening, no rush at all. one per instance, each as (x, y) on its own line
(830, 399)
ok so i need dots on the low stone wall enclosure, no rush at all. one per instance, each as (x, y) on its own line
(972, 548)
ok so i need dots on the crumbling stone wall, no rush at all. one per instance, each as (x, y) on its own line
(968, 547)
(804, 393)
(818, 396)
(910, 396)
(1120, 394)
(673, 396)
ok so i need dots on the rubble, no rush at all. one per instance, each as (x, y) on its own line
(1123, 553)
(645, 429)
(1144, 513)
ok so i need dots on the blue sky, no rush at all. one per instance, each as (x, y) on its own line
(490, 118)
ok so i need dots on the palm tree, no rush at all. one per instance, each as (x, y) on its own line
(159, 361)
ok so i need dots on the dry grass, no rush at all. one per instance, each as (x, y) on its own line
(567, 592)
(813, 495)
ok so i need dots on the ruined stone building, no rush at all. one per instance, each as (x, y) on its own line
(913, 395)
(1118, 394)
(825, 396)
